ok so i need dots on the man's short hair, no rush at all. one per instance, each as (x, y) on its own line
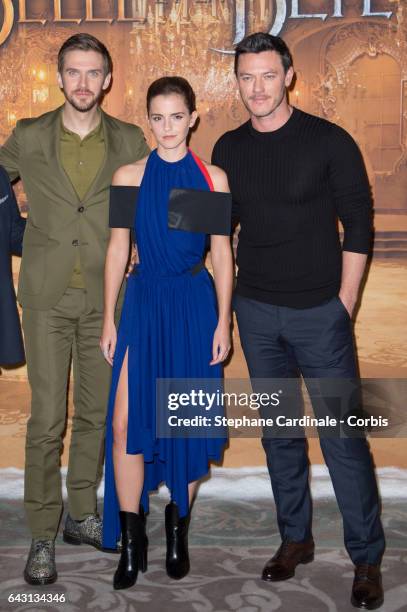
(85, 42)
(260, 41)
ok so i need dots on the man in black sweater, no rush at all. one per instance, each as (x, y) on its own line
(292, 175)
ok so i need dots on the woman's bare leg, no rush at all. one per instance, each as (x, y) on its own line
(128, 469)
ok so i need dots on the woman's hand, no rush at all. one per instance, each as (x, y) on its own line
(221, 343)
(108, 341)
(134, 260)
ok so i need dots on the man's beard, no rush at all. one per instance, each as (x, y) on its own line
(86, 106)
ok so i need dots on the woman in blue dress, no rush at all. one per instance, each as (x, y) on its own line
(173, 325)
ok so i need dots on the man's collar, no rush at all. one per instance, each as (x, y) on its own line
(96, 130)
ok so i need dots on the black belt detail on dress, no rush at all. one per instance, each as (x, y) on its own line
(193, 271)
(197, 268)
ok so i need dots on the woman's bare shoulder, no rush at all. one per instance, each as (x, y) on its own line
(218, 176)
(130, 174)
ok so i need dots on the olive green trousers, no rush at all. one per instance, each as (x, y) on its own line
(52, 337)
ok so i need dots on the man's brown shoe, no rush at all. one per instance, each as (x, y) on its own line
(367, 590)
(289, 555)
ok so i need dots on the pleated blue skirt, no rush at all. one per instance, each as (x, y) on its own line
(167, 326)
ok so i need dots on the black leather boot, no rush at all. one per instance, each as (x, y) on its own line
(134, 549)
(176, 529)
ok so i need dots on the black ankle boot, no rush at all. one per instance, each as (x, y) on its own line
(177, 559)
(134, 549)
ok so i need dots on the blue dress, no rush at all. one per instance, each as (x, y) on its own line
(167, 324)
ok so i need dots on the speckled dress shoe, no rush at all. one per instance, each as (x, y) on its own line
(88, 531)
(40, 567)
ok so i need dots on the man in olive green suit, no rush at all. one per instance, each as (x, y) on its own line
(66, 159)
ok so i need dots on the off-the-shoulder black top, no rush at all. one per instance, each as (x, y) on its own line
(190, 210)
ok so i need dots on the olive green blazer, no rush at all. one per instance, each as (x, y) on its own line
(59, 222)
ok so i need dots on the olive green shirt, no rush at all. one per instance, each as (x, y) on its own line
(81, 159)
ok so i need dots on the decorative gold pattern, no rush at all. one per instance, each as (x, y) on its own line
(149, 39)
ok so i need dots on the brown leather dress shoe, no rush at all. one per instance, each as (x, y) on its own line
(282, 565)
(367, 590)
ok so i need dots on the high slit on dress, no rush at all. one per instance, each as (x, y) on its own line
(167, 324)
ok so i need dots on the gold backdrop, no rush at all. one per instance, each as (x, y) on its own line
(350, 60)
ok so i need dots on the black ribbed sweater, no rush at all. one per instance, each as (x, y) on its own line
(289, 187)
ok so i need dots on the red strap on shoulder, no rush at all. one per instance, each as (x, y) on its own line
(204, 171)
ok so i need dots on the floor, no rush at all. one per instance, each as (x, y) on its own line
(229, 543)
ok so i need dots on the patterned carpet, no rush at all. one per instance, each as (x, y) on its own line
(229, 543)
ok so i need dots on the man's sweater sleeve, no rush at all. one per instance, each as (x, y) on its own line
(220, 157)
(351, 190)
